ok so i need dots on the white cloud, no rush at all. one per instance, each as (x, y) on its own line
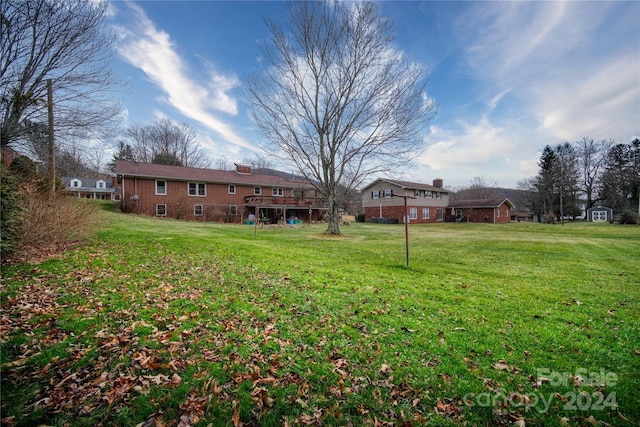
(604, 105)
(152, 50)
(563, 61)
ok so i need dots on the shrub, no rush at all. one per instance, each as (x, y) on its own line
(10, 211)
(53, 218)
(628, 218)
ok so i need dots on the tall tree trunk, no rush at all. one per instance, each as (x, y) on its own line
(334, 219)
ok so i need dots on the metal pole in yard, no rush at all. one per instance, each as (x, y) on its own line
(406, 223)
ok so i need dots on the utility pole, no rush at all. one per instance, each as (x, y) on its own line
(52, 147)
(406, 223)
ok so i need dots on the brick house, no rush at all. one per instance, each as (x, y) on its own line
(485, 210)
(425, 203)
(216, 195)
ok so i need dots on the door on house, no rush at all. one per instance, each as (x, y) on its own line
(599, 216)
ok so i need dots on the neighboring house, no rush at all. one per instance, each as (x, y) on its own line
(599, 214)
(485, 210)
(216, 195)
(90, 188)
(383, 201)
(521, 216)
(14, 150)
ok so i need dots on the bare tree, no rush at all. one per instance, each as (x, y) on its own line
(222, 163)
(66, 42)
(479, 188)
(337, 100)
(165, 142)
(592, 156)
(257, 161)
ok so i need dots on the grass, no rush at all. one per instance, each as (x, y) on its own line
(160, 321)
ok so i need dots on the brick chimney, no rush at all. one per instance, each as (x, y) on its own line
(438, 182)
(243, 169)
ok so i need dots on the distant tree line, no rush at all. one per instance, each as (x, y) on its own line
(585, 173)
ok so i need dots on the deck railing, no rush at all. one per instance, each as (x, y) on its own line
(285, 201)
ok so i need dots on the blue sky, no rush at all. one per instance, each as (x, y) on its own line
(508, 77)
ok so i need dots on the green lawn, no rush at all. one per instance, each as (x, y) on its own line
(178, 323)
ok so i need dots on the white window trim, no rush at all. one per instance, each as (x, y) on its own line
(101, 184)
(428, 194)
(198, 186)
(277, 192)
(425, 213)
(413, 213)
(375, 195)
(76, 183)
(388, 193)
(195, 210)
(257, 191)
(165, 187)
(231, 189)
(158, 208)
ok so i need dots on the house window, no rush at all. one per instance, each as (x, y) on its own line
(197, 210)
(232, 189)
(425, 213)
(438, 195)
(100, 184)
(438, 214)
(416, 193)
(161, 210)
(388, 193)
(233, 209)
(277, 192)
(76, 183)
(413, 213)
(498, 212)
(161, 187)
(257, 191)
(375, 194)
(197, 189)
(428, 194)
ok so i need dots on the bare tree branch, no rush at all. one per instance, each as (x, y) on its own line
(64, 41)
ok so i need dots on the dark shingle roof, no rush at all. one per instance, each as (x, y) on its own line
(410, 185)
(479, 203)
(181, 173)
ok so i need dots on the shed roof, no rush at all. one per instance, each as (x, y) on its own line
(182, 173)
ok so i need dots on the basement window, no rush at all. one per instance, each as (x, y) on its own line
(161, 210)
(197, 210)
(233, 209)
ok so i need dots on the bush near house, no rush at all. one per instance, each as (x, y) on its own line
(36, 220)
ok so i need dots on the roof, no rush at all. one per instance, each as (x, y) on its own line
(480, 203)
(407, 185)
(182, 173)
(86, 182)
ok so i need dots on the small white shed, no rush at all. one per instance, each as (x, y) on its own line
(599, 214)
